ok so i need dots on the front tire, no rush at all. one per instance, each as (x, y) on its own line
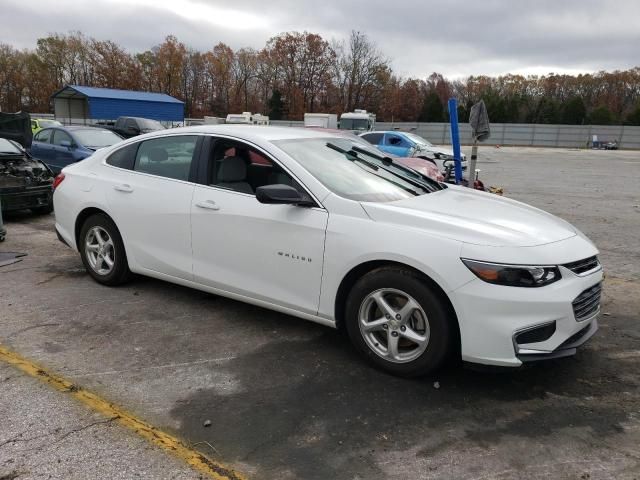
(398, 323)
(102, 251)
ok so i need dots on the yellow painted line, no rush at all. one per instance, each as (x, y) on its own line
(195, 459)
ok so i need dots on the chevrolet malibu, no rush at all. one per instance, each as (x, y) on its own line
(324, 228)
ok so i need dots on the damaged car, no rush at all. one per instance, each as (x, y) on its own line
(25, 182)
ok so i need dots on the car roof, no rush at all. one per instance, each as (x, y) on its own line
(75, 128)
(250, 132)
(387, 131)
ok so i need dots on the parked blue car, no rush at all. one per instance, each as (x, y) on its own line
(62, 146)
(407, 144)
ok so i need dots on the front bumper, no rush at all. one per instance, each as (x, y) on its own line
(492, 316)
(23, 199)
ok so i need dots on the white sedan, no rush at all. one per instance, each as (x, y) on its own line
(321, 227)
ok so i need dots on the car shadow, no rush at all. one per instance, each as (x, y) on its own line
(314, 409)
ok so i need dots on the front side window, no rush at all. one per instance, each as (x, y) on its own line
(169, 157)
(59, 136)
(43, 136)
(394, 141)
(358, 177)
(239, 167)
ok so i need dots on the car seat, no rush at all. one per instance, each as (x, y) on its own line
(232, 174)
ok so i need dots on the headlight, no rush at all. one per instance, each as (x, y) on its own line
(513, 275)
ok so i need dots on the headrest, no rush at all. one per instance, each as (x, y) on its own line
(157, 154)
(232, 169)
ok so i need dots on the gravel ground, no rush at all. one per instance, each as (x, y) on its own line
(289, 399)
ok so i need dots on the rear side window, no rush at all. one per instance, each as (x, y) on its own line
(124, 157)
(169, 157)
(43, 136)
(373, 138)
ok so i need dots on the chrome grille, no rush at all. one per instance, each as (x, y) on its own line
(587, 303)
(583, 266)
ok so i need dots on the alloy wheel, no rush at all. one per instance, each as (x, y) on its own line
(394, 325)
(100, 250)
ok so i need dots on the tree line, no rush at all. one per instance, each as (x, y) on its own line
(299, 72)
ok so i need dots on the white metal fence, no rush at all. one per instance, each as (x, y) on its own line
(517, 134)
(534, 135)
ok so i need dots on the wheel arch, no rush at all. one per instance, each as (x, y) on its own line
(84, 215)
(358, 271)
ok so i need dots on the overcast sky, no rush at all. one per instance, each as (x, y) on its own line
(453, 37)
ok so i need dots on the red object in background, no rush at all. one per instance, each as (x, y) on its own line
(421, 165)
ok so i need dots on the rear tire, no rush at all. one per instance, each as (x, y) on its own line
(406, 339)
(102, 251)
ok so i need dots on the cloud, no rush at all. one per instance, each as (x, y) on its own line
(453, 37)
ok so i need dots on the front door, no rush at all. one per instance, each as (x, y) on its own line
(63, 150)
(273, 253)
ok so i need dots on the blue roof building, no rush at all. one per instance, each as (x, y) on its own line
(77, 104)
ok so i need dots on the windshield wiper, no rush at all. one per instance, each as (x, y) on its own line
(352, 156)
(423, 182)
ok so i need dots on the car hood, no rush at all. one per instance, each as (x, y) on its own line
(434, 149)
(474, 217)
(16, 127)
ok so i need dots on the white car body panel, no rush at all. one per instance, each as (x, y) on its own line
(273, 252)
(238, 249)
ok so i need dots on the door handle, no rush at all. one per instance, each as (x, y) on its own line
(123, 188)
(208, 204)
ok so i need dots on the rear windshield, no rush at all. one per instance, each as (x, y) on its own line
(96, 137)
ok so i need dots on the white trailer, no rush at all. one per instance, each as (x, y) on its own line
(358, 121)
(321, 120)
(248, 118)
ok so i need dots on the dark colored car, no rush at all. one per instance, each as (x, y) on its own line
(62, 146)
(25, 182)
(128, 127)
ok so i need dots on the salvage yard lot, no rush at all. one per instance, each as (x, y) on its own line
(290, 399)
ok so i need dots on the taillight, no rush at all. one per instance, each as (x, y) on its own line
(58, 180)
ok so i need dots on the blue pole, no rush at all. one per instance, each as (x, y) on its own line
(455, 138)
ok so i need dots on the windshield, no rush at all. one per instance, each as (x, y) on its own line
(419, 139)
(150, 124)
(9, 147)
(351, 174)
(49, 123)
(96, 137)
(354, 124)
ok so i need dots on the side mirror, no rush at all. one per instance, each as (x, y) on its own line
(281, 194)
(135, 130)
(65, 143)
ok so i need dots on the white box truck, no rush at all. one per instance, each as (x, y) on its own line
(321, 120)
(248, 118)
(358, 121)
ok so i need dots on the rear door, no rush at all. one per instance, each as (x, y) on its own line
(272, 253)
(149, 196)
